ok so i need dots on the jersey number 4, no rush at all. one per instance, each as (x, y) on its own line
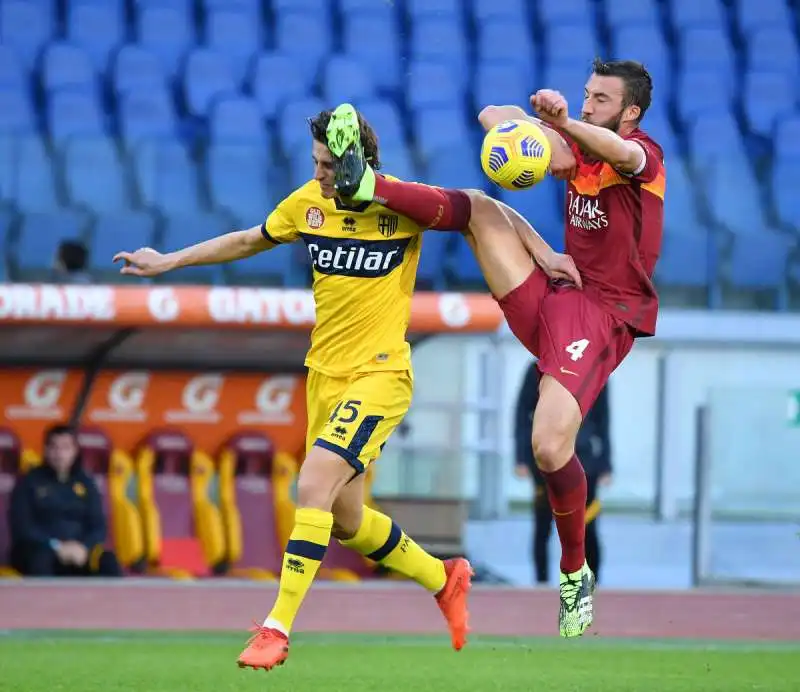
(576, 348)
(349, 408)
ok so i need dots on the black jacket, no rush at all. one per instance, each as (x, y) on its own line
(593, 445)
(43, 508)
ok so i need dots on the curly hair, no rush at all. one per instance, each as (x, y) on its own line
(369, 140)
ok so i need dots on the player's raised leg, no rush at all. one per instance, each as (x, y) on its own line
(376, 536)
(322, 476)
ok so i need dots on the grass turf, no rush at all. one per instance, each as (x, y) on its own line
(199, 662)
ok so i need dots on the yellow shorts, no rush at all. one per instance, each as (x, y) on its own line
(354, 416)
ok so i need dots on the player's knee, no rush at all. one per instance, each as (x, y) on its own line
(345, 524)
(552, 447)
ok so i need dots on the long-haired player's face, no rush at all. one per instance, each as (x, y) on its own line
(602, 102)
(323, 169)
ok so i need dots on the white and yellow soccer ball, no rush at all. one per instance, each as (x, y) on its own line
(515, 154)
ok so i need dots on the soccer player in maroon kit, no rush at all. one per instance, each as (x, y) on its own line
(578, 312)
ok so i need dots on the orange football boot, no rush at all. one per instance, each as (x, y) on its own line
(266, 649)
(452, 599)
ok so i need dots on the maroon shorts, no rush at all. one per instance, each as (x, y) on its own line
(576, 341)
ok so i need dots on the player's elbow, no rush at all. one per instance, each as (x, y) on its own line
(488, 117)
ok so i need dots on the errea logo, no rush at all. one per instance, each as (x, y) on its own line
(352, 257)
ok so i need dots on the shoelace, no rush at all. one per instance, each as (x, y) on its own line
(262, 635)
(570, 593)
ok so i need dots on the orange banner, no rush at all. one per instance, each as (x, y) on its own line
(220, 307)
(207, 407)
(31, 400)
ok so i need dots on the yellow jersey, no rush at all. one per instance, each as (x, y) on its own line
(364, 261)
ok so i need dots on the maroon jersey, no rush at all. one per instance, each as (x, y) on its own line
(614, 224)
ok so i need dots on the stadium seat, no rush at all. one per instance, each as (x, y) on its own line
(487, 10)
(710, 95)
(315, 29)
(26, 27)
(440, 128)
(384, 117)
(658, 126)
(208, 76)
(774, 49)
(8, 170)
(174, 483)
(293, 130)
(543, 207)
(564, 12)
(787, 137)
(785, 174)
(499, 83)
(686, 259)
(734, 197)
(136, 227)
(166, 31)
(166, 178)
(350, 9)
(98, 28)
(134, 67)
(396, 160)
(681, 213)
(570, 80)
(234, 33)
(715, 138)
(432, 261)
(94, 176)
(636, 13)
(73, 113)
(759, 261)
(276, 80)
(707, 48)
(12, 75)
(67, 65)
(433, 9)
(696, 13)
(146, 113)
(574, 44)
(647, 45)
(238, 183)
(280, 266)
(113, 473)
(431, 84)
(237, 119)
(509, 42)
(755, 14)
(34, 181)
(187, 228)
(250, 7)
(767, 97)
(344, 80)
(381, 57)
(39, 237)
(426, 44)
(455, 166)
(16, 112)
(463, 267)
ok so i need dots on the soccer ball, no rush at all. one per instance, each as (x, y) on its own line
(515, 154)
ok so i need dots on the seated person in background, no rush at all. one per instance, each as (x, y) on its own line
(56, 516)
(70, 263)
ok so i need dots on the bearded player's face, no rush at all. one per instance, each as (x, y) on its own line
(323, 169)
(602, 102)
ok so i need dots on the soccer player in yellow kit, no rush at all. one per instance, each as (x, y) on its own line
(360, 380)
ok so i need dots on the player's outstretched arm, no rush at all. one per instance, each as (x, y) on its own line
(224, 248)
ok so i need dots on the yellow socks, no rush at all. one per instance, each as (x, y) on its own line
(304, 553)
(380, 539)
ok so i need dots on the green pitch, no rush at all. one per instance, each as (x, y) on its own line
(163, 662)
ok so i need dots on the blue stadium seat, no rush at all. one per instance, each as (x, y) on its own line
(381, 57)
(431, 84)
(427, 44)
(11, 72)
(432, 261)
(570, 80)
(707, 48)
(696, 13)
(759, 261)
(349, 8)
(208, 76)
(462, 263)
(754, 14)
(681, 213)
(238, 120)
(638, 13)
(16, 112)
(39, 237)
(506, 41)
(234, 33)
(8, 169)
(438, 9)
(710, 95)
(94, 175)
(135, 67)
(26, 27)
(498, 83)
(396, 160)
(440, 128)
(767, 97)
(98, 28)
(293, 130)
(314, 27)
(67, 65)
(33, 176)
(301, 167)
(276, 267)
(137, 228)
(573, 44)
(145, 113)
(283, 7)
(647, 45)
(687, 260)
(166, 178)
(787, 137)
(658, 126)
(182, 229)
(345, 80)
(385, 119)
(734, 196)
(455, 166)
(486, 10)
(276, 81)
(785, 174)
(713, 139)
(565, 12)
(183, 6)
(251, 7)
(774, 49)
(238, 182)
(543, 207)
(73, 112)
(168, 32)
